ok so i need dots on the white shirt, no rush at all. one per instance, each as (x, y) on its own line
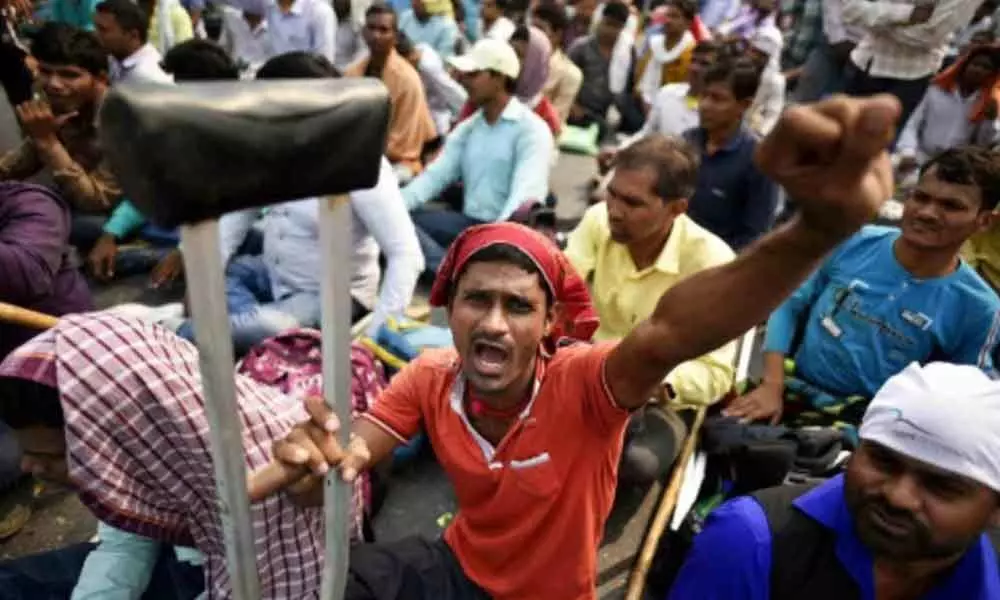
(768, 103)
(309, 26)
(142, 65)
(650, 83)
(834, 28)
(672, 113)
(351, 47)
(891, 48)
(292, 251)
(501, 29)
(941, 121)
(250, 48)
(445, 96)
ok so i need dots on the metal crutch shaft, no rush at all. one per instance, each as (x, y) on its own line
(335, 288)
(206, 285)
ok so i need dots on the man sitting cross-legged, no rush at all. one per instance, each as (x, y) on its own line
(885, 298)
(634, 247)
(528, 428)
(280, 289)
(501, 154)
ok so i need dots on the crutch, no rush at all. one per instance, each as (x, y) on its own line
(188, 154)
(668, 502)
(16, 315)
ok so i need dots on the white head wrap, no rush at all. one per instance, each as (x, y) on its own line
(941, 414)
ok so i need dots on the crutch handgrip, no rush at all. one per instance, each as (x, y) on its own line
(191, 152)
(273, 477)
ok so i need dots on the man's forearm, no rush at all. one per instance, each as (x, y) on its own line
(719, 305)
(85, 191)
(774, 370)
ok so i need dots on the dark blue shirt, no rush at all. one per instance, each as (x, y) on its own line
(731, 558)
(733, 200)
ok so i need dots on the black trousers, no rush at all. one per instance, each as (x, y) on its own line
(410, 569)
(909, 91)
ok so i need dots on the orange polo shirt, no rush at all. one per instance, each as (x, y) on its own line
(531, 511)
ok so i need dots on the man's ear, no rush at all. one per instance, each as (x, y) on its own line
(679, 207)
(554, 313)
(987, 219)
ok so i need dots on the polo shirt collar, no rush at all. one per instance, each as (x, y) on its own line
(975, 576)
(669, 260)
(700, 136)
(133, 59)
(456, 401)
(514, 111)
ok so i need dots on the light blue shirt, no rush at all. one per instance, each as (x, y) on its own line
(716, 12)
(501, 166)
(439, 32)
(865, 318)
(122, 564)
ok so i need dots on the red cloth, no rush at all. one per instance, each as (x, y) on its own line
(543, 109)
(948, 80)
(699, 31)
(576, 317)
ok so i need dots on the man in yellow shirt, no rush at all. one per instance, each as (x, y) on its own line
(631, 249)
(982, 252)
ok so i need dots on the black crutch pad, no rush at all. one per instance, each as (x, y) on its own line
(191, 152)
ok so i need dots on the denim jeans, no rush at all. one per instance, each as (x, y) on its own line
(53, 575)
(822, 75)
(436, 230)
(131, 259)
(254, 314)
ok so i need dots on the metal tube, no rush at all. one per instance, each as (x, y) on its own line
(206, 286)
(335, 290)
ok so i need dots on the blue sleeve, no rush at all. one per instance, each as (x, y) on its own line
(445, 44)
(731, 557)
(758, 212)
(445, 169)
(119, 568)
(530, 179)
(124, 220)
(785, 321)
(977, 345)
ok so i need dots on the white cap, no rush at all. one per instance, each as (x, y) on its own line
(941, 414)
(489, 55)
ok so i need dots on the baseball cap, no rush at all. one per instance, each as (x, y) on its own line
(489, 55)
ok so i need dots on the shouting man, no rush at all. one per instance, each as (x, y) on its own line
(528, 427)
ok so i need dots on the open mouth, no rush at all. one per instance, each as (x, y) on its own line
(889, 525)
(489, 358)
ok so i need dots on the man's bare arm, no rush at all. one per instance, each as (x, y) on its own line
(832, 153)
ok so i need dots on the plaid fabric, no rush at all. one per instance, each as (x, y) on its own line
(138, 445)
(806, 31)
(292, 363)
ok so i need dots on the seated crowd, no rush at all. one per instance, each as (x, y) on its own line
(713, 209)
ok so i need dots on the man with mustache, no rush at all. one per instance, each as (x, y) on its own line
(913, 518)
(527, 424)
(887, 297)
